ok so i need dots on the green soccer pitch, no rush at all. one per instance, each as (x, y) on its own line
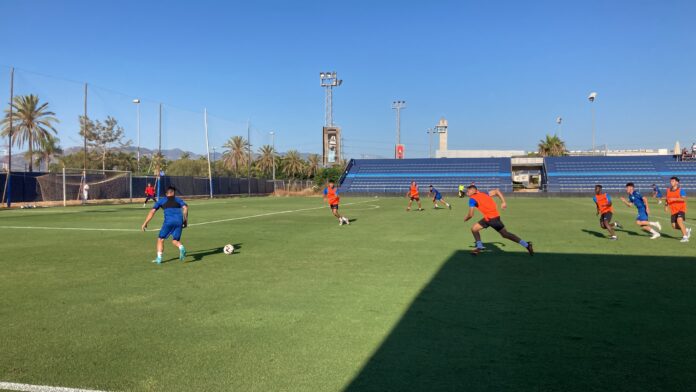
(392, 302)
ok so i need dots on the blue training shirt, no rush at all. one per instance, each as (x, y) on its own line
(637, 199)
(657, 191)
(172, 209)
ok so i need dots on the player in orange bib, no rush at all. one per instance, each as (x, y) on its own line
(491, 217)
(676, 202)
(413, 195)
(605, 210)
(331, 196)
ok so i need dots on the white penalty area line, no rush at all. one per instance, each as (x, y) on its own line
(64, 228)
(11, 386)
(274, 213)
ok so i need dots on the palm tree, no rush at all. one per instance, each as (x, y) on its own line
(49, 149)
(293, 164)
(552, 146)
(237, 154)
(267, 157)
(313, 164)
(32, 123)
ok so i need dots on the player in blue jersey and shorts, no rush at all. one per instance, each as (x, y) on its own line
(641, 203)
(175, 220)
(657, 193)
(437, 197)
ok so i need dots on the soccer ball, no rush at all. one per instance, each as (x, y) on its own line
(228, 249)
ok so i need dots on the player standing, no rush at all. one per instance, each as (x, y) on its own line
(605, 210)
(149, 194)
(491, 217)
(676, 201)
(413, 195)
(175, 219)
(641, 203)
(657, 193)
(437, 197)
(331, 196)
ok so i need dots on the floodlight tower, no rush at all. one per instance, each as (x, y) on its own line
(559, 120)
(591, 98)
(398, 105)
(329, 80)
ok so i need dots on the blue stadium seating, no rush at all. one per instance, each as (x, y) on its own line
(581, 174)
(445, 174)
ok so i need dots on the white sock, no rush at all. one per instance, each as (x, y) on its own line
(181, 246)
(652, 231)
(159, 254)
(653, 223)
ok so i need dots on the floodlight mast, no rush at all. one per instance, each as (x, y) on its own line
(398, 105)
(329, 80)
(591, 98)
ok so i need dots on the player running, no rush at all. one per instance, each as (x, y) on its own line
(149, 194)
(413, 195)
(462, 191)
(491, 218)
(175, 219)
(437, 197)
(606, 211)
(657, 193)
(676, 201)
(331, 196)
(641, 203)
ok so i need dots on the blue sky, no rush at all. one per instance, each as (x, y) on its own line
(499, 71)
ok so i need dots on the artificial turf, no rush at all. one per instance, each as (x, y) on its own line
(392, 302)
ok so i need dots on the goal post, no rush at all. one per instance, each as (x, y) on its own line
(83, 186)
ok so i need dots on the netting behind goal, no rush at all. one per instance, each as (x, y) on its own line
(77, 185)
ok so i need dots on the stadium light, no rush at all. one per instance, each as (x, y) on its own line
(398, 105)
(137, 111)
(591, 98)
(329, 80)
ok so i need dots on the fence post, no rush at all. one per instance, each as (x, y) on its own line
(130, 181)
(65, 199)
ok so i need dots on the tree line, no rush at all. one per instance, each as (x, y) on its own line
(33, 127)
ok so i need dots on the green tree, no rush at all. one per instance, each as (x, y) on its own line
(266, 160)
(104, 136)
(236, 157)
(324, 175)
(32, 123)
(552, 146)
(293, 165)
(50, 148)
(313, 165)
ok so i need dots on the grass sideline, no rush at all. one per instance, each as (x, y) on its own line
(391, 302)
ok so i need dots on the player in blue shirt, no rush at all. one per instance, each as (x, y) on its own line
(437, 197)
(175, 219)
(657, 193)
(641, 203)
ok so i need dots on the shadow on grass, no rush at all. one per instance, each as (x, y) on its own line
(563, 322)
(201, 254)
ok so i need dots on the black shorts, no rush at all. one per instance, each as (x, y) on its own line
(495, 223)
(606, 217)
(334, 206)
(680, 214)
(415, 198)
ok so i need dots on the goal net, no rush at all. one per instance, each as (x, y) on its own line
(83, 186)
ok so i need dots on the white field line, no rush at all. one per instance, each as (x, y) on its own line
(11, 386)
(193, 224)
(273, 213)
(64, 228)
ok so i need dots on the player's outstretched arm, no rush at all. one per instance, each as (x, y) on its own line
(148, 219)
(470, 214)
(184, 209)
(628, 204)
(499, 194)
(647, 206)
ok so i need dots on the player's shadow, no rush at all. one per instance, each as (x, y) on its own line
(506, 321)
(594, 233)
(201, 254)
(351, 220)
